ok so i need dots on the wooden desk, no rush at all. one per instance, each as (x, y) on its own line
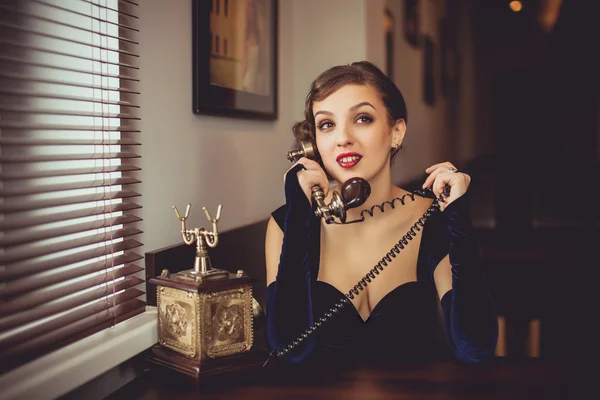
(500, 379)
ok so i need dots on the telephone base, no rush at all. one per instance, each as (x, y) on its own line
(206, 369)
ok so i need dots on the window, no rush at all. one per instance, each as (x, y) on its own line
(69, 136)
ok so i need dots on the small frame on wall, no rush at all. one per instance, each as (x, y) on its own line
(445, 56)
(389, 29)
(411, 22)
(448, 60)
(235, 58)
(428, 71)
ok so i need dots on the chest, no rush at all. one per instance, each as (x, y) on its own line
(346, 257)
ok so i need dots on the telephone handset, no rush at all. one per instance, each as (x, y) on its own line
(355, 191)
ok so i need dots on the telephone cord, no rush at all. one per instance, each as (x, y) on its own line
(371, 275)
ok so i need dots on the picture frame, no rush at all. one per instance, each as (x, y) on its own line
(454, 75)
(234, 58)
(428, 70)
(449, 61)
(445, 58)
(389, 29)
(411, 22)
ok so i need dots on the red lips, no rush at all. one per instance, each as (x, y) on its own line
(348, 160)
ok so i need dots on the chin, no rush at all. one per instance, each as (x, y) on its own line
(342, 175)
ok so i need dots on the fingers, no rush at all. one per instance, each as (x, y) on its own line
(308, 164)
(456, 185)
(308, 179)
(443, 189)
(435, 171)
(312, 175)
(440, 183)
(445, 164)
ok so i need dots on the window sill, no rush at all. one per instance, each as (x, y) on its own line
(60, 372)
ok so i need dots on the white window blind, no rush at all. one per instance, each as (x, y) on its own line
(69, 135)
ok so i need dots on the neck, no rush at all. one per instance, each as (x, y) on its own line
(381, 191)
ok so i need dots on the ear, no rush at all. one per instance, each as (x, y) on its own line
(398, 132)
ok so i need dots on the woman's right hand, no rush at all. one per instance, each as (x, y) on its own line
(312, 175)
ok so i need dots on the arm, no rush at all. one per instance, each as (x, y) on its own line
(470, 319)
(289, 307)
(273, 244)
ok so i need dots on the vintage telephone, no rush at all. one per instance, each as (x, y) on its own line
(206, 316)
(352, 196)
(355, 191)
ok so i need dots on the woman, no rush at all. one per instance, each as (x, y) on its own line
(356, 118)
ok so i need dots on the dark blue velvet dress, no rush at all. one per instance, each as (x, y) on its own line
(406, 323)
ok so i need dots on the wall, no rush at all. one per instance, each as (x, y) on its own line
(431, 137)
(323, 38)
(198, 159)
(207, 160)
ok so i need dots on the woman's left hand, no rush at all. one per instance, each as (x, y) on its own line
(443, 174)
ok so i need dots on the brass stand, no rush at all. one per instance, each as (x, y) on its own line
(202, 266)
(200, 371)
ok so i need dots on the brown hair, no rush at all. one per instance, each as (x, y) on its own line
(357, 73)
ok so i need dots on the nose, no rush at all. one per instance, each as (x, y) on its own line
(344, 136)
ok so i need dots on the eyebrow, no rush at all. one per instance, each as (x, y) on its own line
(364, 103)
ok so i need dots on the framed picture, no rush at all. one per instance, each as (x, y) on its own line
(389, 43)
(448, 61)
(454, 68)
(411, 21)
(445, 57)
(235, 58)
(428, 71)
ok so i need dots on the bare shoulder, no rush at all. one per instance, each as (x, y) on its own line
(273, 243)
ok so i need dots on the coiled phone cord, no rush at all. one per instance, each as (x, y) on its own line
(371, 275)
(381, 207)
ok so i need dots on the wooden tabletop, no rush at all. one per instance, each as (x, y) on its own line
(499, 379)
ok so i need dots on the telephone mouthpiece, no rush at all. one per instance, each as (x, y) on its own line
(355, 191)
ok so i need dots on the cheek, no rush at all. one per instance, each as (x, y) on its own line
(321, 141)
(325, 150)
(324, 146)
(384, 136)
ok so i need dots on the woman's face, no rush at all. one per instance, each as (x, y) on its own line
(353, 133)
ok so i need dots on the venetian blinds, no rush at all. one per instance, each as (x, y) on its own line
(68, 149)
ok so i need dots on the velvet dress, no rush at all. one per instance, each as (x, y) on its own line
(406, 323)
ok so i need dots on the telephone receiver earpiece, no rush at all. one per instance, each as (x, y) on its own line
(355, 191)
(306, 150)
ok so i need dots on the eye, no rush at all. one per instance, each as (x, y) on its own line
(324, 125)
(364, 119)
